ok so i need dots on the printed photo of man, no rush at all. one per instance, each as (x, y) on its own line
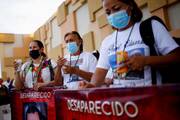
(35, 111)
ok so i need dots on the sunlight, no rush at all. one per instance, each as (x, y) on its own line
(25, 16)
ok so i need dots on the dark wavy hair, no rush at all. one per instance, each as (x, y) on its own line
(78, 35)
(32, 109)
(136, 11)
(40, 44)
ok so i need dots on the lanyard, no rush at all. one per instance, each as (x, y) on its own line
(115, 75)
(126, 40)
(74, 65)
(37, 73)
(75, 62)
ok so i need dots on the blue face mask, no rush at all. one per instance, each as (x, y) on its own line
(72, 47)
(119, 19)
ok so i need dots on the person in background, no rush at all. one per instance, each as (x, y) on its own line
(1, 82)
(7, 82)
(77, 65)
(124, 50)
(38, 71)
(11, 84)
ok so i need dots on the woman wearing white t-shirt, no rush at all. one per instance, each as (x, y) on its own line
(77, 65)
(38, 71)
(124, 50)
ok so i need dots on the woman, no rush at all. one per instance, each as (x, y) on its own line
(38, 72)
(78, 65)
(124, 50)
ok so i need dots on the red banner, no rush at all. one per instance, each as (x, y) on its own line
(33, 104)
(145, 103)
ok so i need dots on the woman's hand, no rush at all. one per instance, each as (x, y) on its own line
(68, 69)
(85, 84)
(37, 86)
(108, 81)
(17, 65)
(136, 62)
(61, 61)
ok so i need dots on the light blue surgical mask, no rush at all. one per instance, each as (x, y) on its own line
(72, 47)
(119, 19)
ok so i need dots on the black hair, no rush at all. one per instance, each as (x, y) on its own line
(135, 10)
(40, 45)
(78, 35)
(32, 109)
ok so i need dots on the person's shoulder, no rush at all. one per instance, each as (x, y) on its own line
(155, 22)
(159, 28)
(51, 62)
(49, 59)
(87, 55)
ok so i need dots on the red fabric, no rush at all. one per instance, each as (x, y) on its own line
(1, 81)
(19, 99)
(153, 103)
(44, 65)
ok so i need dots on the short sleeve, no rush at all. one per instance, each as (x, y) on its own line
(163, 40)
(92, 63)
(103, 58)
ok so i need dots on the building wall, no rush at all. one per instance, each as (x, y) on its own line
(12, 47)
(174, 18)
(1, 59)
(88, 18)
(82, 19)
(0, 70)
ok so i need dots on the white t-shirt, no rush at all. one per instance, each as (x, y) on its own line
(163, 44)
(29, 78)
(86, 62)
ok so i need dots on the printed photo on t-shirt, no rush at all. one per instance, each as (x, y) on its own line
(130, 75)
(135, 75)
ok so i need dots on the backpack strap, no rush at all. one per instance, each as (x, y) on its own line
(28, 67)
(147, 35)
(51, 69)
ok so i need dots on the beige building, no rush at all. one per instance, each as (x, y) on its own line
(88, 18)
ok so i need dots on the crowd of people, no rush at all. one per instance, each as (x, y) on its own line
(8, 83)
(124, 59)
